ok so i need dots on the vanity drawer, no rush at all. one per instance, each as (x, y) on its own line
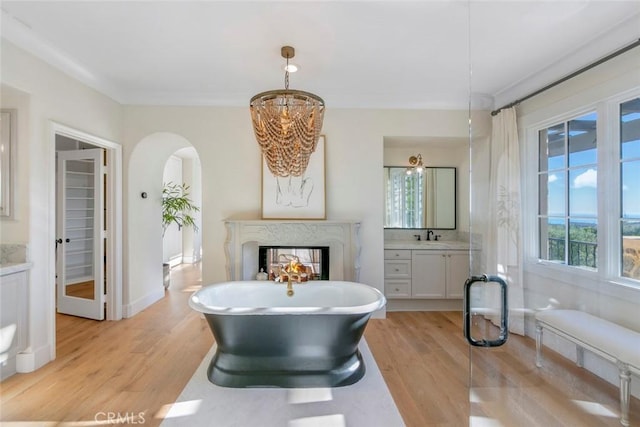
(397, 254)
(397, 288)
(397, 269)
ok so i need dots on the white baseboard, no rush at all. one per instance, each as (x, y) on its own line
(176, 260)
(424, 305)
(130, 310)
(29, 361)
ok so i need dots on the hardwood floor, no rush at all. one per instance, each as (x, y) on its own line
(136, 366)
(133, 366)
(425, 362)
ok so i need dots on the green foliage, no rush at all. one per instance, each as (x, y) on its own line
(177, 207)
(583, 243)
(578, 232)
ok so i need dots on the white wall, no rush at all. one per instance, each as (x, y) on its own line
(191, 239)
(143, 170)
(53, 96)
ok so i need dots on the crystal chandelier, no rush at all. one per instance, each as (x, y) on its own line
(416, 162)
(287, 124)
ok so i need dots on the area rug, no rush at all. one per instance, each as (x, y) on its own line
(366, 403)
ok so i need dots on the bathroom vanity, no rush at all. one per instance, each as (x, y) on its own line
(13, 314)
(425, 270)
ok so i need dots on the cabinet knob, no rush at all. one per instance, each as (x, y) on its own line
(397, 269)
(397, 289)
(397, 254)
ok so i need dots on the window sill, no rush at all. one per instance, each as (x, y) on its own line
(582, 278)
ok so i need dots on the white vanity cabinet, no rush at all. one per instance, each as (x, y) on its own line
(429, 274)
(13, 316)
(397, 273)
(425, 274)
(439, 274)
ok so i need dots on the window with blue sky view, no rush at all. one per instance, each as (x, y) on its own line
(568, 205)
(630, 188)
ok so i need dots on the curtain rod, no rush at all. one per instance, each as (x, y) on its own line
(570, 76)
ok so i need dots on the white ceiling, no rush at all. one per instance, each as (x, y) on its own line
(385, 54)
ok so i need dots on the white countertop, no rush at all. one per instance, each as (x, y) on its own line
(14, 267)
(438, 245)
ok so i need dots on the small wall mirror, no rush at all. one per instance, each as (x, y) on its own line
(426, 200)
(7, 152)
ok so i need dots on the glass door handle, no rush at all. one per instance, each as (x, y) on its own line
(504, 320)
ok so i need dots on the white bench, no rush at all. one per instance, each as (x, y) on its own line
(613, 342)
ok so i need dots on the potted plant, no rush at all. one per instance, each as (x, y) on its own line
(177, 208)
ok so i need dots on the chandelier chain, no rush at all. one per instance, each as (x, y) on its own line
(286, 75)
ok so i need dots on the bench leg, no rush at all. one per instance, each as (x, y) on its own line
(579, 356)
(625, 382)
(538, 345)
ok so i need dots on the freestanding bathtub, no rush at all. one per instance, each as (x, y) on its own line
(268, 339)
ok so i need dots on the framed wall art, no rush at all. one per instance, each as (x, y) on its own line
(296, 197)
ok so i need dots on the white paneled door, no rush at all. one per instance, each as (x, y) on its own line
(80, 233)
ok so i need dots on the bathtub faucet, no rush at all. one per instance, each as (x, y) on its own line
(289, 286)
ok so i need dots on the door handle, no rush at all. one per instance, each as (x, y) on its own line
(59, 242)
(504, 318)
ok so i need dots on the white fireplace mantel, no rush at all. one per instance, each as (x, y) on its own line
(244, 237)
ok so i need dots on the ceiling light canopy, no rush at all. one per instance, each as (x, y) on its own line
(287, 125)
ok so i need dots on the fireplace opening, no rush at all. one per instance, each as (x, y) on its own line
(315, 258)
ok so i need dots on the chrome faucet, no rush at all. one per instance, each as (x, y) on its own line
(429, 234)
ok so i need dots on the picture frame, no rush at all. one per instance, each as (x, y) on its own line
(296, 197)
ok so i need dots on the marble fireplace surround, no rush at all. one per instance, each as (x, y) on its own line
(244, 237)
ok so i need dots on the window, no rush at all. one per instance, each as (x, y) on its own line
(404, 199)
(567, 204)
(630, 188)
(588, 201)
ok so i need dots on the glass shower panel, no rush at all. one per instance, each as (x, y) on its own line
(523, 239)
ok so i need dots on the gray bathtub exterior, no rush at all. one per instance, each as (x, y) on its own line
(287, 350)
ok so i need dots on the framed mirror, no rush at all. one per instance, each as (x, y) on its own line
(426, 200)
(7, 152)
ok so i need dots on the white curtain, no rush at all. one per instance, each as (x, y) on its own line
(504, 243)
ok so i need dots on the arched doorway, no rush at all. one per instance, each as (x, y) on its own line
(183, 245)
(143, 225)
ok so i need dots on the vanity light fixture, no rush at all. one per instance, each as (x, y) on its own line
(416, 165)
(287, 125)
